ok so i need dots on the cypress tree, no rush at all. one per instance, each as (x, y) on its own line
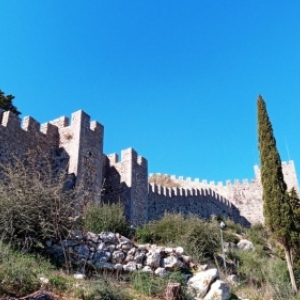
(277, 210)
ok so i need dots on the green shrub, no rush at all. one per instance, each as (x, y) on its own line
(147, 284)
(202, 241)
(252, 268)
(104, 290)
(169, 229)
(106, 217)
(143, 234)
(58, 282)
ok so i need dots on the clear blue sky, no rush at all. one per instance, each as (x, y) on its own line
(176, 80)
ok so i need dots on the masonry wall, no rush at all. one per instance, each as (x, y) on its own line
(29, 141)
(202, 202)
(75, 148)
(245, 195)
(127, 181)
(82, 141)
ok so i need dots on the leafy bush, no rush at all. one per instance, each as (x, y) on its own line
(106, 217)
(200, 238)
(144, 234)
(252, 268)
(202, 241)
(169, 229)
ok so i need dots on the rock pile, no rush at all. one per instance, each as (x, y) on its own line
(114, 252)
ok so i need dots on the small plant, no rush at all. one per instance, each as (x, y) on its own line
(147, 284)
(144, 234)
(58, 282)
(20, 272)
(104, 290)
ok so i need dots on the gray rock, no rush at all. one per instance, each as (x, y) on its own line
(82, 250)
(219, 290)
(90, 236)
(118, 257)
(161, 272)
(140, 258)
(199, 284)
(147, 269)
(245, 245)
(130, 266)
(172, 262)
(108, 237)
(153, 260)
(102, 256)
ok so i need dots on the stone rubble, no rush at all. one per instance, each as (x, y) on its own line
(112, 252)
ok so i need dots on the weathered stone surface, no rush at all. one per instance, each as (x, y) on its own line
(245, 245)
(108, 237)
(172, 262)
(130, 266)
(90, 236)
(199, 284)
(153, 260)
(102, 256)
(147, 269)
(118, 257)
(162, 272)
(219, 290)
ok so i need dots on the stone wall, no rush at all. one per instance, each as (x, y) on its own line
(199, 201)
(82, 141)
(77, 147)
(127, 181)
(29, 141)
(245, 195)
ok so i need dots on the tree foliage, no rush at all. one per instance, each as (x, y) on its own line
(277, 209)
(6, 103)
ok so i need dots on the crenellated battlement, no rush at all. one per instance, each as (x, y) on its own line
(127, 155)
(196, 182)
(75, 145)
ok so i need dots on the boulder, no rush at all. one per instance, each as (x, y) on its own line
(130, 266)
(172, 262)
(199, 284)
(219, 290)
(118, 257)
(245, 245)
(108, 237)
(153, 260)
(161, 272)
(90, 236)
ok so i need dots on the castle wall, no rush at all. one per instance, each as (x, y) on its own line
(76, 148)
(82, 141)
(29, 141)
(127, 181)
(202, 202)
(245, 195)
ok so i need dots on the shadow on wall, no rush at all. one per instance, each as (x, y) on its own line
(115, 191)
(202, 202)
